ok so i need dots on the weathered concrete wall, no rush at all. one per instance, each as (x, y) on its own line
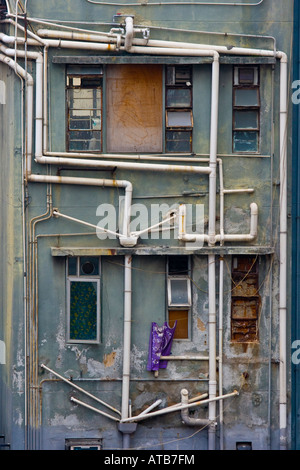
(250, 368)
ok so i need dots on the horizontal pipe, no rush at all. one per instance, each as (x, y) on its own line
(181, 407)
(122, 165)
(238, 191)
(152, 46)
(184, 358)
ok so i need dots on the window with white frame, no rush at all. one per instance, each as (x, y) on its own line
(179, 295)
(83, 299)
(246, 110)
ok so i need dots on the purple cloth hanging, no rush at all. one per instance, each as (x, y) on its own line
(160, 344)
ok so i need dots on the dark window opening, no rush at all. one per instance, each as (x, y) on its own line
(245, 299)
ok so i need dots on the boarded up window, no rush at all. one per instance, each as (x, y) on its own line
(134, 108)
(245, 300)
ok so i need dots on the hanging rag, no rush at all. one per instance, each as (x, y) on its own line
(160, 344)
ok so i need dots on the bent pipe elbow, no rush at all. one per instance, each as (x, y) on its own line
(129, 33)
(186, 419)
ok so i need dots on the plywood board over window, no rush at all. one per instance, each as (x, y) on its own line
(134, 108)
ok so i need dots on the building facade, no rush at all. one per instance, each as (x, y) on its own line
(145, 215)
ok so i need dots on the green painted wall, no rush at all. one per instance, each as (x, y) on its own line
(98, 368)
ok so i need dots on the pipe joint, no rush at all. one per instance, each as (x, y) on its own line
(129, 33)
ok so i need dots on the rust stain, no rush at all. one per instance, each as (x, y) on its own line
(109, 359)
(200, 325)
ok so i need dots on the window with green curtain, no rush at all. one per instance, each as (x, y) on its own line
(83, 299)
(83, 310)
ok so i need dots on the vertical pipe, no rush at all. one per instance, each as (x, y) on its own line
(212, 384)
(283, 252)
(127, 343)
(221, 292)
(213, 149)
